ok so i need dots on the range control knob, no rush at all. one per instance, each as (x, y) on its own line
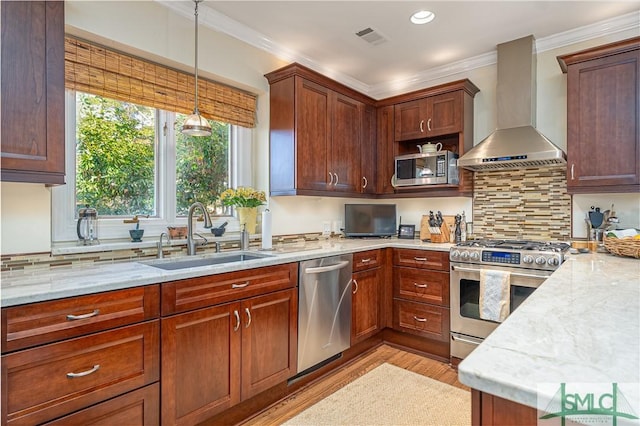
(475, 256)
(455, 254)
(528, 259)
(553, 261)
(465, 255)
(541, 260)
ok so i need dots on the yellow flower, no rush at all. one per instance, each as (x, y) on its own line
(243, 197)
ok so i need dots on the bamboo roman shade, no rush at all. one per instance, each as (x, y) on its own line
(101, 71)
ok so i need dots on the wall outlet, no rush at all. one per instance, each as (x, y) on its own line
(326, 227)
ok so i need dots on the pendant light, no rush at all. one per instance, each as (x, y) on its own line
(195, 124)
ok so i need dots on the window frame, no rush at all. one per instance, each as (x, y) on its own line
(63, 197)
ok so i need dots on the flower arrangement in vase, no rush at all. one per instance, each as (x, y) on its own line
(246, 201)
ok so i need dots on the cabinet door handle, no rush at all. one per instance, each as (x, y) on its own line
(336, 183)
(237, 315)
(421, 126)
(331, 178)
(429, 124)
(84, 373)
(71, 317)
(366, 182)
(248, 317)
(421, 285)
(355, 290)
(420, 259)
(243, 285)
(572, 175)
(419, 319)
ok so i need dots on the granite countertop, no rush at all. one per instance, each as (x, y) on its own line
(20, 287)
(582, 325)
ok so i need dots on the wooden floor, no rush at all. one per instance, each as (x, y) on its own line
(314, 392)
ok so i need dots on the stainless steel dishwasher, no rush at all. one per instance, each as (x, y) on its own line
(324, 309)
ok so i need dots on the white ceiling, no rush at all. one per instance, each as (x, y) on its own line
(321, 34)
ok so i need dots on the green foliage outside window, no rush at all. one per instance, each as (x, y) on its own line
(202, 169)
(115, 148)
(116, 164)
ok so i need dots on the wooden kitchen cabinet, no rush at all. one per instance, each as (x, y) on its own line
(369, 152)
(62, 358)
(429, 117)
(440, 114)
(32, 104)
(46, 382)
(218, 355)
(317, 132)
(421, 294)
(366, 297)
(491, 410)
(603, 118)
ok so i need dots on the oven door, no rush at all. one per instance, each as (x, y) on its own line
(467, 328)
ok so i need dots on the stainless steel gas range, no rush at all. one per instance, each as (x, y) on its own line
(528, 264)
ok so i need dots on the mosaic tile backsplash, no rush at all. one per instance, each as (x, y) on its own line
(522, 204)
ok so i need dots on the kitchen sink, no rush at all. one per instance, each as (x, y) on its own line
(183, 263)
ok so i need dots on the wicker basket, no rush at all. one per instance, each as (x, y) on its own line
(623, 246)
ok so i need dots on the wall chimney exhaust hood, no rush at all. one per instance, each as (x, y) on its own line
(516, 144)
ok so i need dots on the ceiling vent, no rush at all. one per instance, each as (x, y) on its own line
(371, 36)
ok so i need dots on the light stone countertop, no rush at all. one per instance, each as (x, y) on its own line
(20, 287)
(582, 325)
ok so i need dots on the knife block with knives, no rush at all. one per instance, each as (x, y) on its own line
(430, 231)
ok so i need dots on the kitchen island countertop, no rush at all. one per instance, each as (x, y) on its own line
(582, 325)
(28, 286)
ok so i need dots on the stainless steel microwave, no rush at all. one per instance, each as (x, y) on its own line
(430, 168)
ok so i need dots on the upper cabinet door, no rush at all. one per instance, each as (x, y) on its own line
(32, 106)
(313, 134)
(346, 135)
(603, 118)
(410, 121)
(444, 115)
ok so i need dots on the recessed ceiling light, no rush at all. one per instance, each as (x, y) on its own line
(422, 17)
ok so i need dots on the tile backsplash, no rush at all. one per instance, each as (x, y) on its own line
(522, 204)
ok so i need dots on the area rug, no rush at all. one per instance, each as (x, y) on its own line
(390, 395)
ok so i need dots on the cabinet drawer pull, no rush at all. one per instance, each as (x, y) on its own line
(84, 373)
(421, 285)
(355, 290)
(420, 259)
(429, 125)
(367, 260)
(237, 315)
(83, 316)
(248, 317)
(421, 126)
(243, 285)
(419, 319)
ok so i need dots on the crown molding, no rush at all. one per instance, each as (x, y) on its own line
(222, 23)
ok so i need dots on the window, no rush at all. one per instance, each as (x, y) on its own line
(125, 159)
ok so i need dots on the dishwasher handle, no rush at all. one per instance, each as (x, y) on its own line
(321, 269)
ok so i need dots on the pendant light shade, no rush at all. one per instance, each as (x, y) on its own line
(195, 124)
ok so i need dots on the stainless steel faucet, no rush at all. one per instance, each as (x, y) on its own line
(191, 243)
(160, 254)
(244, 238)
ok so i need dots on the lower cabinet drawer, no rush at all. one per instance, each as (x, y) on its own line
(50, 381)
(137, 408)
(421, 319)
(421, 286)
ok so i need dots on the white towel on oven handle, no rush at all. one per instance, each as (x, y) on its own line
(495, 295)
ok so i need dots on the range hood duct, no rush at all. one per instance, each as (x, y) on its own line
(516, 144)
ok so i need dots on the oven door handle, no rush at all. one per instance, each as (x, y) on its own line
(462, 339)
(517, 274)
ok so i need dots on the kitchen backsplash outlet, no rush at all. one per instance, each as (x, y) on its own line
(522, 204)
